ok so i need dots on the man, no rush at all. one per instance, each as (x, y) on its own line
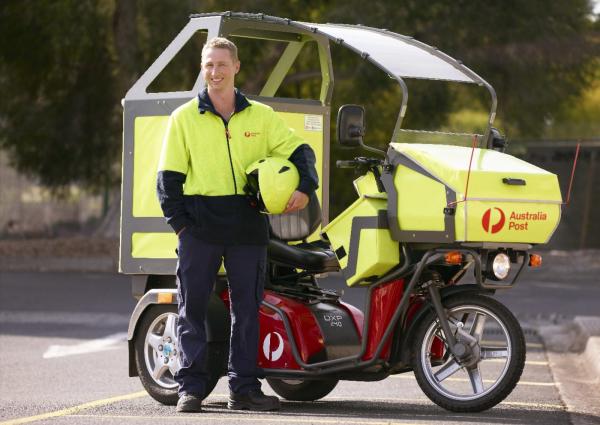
(208, 144)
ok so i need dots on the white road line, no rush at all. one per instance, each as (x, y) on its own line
(87, 347)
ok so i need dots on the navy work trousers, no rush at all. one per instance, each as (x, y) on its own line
(197, 270)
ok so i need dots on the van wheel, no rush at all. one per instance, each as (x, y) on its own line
(301, 390)
(157, 359)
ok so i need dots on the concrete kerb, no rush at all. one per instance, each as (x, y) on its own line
(60, 264)
(589, 331)
(580, 336)
(72, 254)
(592, 353)
(573, 352)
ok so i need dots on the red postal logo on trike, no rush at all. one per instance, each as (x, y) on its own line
(497, 226)
(517, 221)
(273, 346)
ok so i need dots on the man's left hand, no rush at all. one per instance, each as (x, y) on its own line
(297, 201)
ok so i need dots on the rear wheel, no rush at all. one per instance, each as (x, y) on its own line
(302, 390)
(157, 359)
(494, 366)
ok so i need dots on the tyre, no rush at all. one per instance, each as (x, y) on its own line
(495, 364)
(156, 356)
(301, 390)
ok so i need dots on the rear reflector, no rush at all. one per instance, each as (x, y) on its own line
(165, 298)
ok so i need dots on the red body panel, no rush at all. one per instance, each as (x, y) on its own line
(384, 301)
(437, 346)
(275, 351)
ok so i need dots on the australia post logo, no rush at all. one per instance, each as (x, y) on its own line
(495, 219)
(273, 346)
(495, 224)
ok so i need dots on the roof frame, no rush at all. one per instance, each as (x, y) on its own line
(296, 34)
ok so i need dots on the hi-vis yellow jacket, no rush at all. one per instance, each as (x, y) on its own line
(201, 174)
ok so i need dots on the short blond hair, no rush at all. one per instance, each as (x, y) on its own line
(221, 43)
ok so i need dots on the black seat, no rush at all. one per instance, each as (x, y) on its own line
(314, 257)
(305, 256)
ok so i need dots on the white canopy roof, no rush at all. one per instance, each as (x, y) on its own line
(402, 56)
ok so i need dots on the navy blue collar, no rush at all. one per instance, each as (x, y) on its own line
(205, 104)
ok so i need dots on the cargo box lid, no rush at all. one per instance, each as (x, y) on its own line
(494, 175)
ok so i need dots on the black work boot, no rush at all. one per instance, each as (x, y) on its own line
(254, 400)
(189, 403)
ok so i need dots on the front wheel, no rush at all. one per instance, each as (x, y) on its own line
(157, 359)
(495, 363)
(302, 390)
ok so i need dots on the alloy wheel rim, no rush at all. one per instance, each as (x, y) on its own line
(160, 350)
(494, 356)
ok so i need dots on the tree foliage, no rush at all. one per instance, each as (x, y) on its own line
(56, 77)
(65, 65)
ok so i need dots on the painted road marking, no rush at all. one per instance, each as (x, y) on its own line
(527, 363)
(420, 400)
(244, 418)
(75, 409)
(487, 381)
(92, 346)
(501, 344)
(426, 400)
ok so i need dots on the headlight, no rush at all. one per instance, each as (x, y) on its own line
(501, 266)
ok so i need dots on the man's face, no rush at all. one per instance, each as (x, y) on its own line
(219, 69)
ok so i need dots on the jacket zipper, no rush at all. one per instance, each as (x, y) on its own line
(227, 137)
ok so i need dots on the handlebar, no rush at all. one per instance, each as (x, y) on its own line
(358, 162)
(340, 163)
(363, 163)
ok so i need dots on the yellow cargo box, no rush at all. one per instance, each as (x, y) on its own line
(508, 200)
(362, 241)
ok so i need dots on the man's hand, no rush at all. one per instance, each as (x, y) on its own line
(297, 201)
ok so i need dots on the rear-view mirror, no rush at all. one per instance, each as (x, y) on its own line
(351, 125)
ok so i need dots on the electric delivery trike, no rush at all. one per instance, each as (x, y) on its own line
(435, 231)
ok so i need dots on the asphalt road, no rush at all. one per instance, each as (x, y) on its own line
(64, 360)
